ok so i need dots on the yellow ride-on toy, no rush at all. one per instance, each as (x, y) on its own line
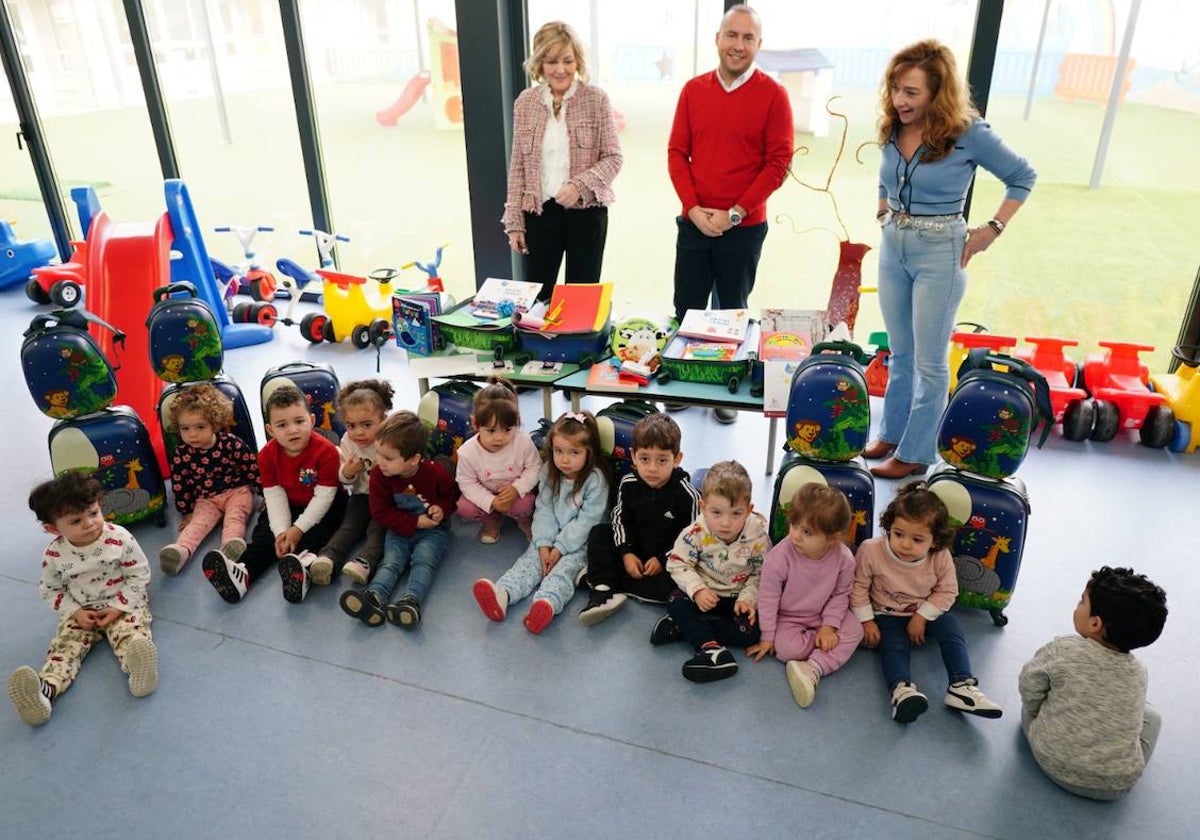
(358, 308)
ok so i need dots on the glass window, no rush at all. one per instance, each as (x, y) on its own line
(389, 102)
(1114, 263)
(20, 200)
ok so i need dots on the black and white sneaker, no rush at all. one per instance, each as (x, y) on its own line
(228, 577)
(908, 704)
(665, 631)
(404, 612)
(365, 606)
(965, 696)
(295, 578)
(30, 695)
(709, 665)
(602, 603)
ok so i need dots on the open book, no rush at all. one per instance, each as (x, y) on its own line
(716, 324)
(496, 291)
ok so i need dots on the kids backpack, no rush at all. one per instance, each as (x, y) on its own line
(445, 409)
(828, 414)
(997, 403)
(67, 373)
(185, 341)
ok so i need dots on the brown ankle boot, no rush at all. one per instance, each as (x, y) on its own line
(878, 449)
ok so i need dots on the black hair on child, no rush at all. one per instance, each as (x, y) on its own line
(917, 503)
(71, 492)
(496, 403)
(1132, 607)
(657, 431)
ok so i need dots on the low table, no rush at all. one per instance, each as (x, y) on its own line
(675, 391)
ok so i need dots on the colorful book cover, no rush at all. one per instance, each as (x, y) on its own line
(784, 346)
(605, 377)
(578, 308)
(496, 290)
(710, 351)
(716, 324)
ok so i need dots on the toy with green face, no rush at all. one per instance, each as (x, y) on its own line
(639, 340)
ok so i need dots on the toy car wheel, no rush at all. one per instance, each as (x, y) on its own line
(263, 288)
(733, 384)
(380, 332)
(1158, 427)
(36, 293)
(328, 333)
(1078, 419)
(1183, 436)
(311, 326)
(242, 313)
(360, 336)
(1108, 421)
(65, 293)
(265, 314)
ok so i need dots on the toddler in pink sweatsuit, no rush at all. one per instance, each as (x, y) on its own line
(804, 594)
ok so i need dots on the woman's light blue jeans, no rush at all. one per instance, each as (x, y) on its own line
(921, 283)
(424, 550)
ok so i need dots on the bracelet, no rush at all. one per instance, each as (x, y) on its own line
(881, 214)
(996, 225)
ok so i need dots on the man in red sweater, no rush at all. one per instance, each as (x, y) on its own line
(730, 147)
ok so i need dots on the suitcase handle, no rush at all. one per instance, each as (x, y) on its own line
(982, 359)
(844, 348)
(77, 319)
(163, 292)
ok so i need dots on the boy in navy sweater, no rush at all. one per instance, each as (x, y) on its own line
(654, 503)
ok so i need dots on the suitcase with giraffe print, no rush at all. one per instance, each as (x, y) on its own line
(992, 515)
(851, 477)
(319, 384)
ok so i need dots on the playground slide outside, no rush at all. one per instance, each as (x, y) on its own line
(390, 115)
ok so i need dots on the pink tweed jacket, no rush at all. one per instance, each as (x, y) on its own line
(594, 149)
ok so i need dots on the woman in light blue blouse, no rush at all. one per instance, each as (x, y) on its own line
(932, 140)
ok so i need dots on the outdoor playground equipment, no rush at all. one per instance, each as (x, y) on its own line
(1181, 391)
(443, 80)
(412, 92)
(124, 262)
(1119, 386)
(352, 310)
(18, 258)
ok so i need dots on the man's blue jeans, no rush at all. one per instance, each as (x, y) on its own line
(424, 551)
(921, 283)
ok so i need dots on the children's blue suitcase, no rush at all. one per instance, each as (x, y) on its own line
(997, 402)
(113, 445)
(319, 384)
(829, 414)
(851, 477)
(446, 409)
(992, 516)
(243, 423)
(585, 348)
(67, 373)
(185, 340)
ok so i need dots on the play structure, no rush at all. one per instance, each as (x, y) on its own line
(442, 79)
(124, 262)
(411, 94)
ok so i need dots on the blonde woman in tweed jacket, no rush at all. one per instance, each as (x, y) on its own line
(565, 155)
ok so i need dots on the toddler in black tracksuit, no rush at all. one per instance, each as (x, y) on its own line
(653, 504)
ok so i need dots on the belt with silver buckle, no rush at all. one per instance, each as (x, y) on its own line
(906, 220)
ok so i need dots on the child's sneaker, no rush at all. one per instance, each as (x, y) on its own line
(489, 533)
(295, 577)
(965, 696)
(711, 663)
(31, 695)
(320, 571)
(908, 704)
(526, 526)
(539, 616)
(172, 557)
(141, 661)
(357, 570)
(802, 677)
(234, 548)
(665, 631)
(228, 577)
(405, 612)
(581, 578)
(492, 599)
(603, 603)
(365, 606)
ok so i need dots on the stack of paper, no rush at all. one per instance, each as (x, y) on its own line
(573, 308)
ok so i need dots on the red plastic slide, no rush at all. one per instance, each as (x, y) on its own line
(412, 92)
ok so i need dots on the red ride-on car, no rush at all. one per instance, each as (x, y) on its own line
(61, 284)
(1119, 385)
(1070, 403)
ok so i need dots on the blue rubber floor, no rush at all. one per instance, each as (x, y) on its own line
(274, 720)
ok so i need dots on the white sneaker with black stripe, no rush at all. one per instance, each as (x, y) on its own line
(908, 704)
(965, 696)
(30, 695)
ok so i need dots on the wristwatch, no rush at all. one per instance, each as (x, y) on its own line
(735, 218)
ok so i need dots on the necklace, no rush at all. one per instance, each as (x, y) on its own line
(557, 106)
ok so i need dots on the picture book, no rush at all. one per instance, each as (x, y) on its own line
(715, 324)
(573, 308)
(603, 376)
(495, 291)
(777, 386)
(784, 346)
(413, 324)
(710, 351)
